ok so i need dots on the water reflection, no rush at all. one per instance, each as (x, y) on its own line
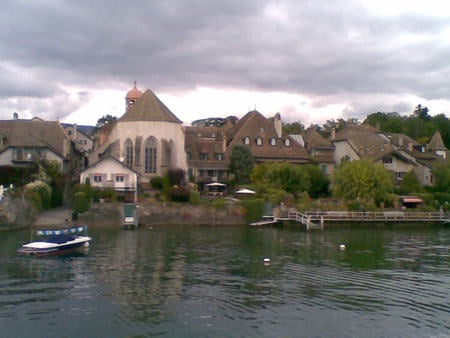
(212, 281)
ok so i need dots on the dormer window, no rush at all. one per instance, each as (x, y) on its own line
(273, 141)
(259, 141)
(287, 142)
(247, 140)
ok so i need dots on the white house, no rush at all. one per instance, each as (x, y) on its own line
(109, 173)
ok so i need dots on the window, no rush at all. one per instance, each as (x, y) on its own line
(324, 168)
(98, 178)
(387, 159)
(218, 156)
(273, 141)
(287, 142)
(247, 140)
(129, 153)
(204, 156)
(150, 155)
(259, 141)
(399, 175)
(119, 178)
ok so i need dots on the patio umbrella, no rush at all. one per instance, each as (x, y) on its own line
(215, 184)
(245, 191)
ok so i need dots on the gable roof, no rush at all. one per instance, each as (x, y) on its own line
(86, 130)
(365, 141)
(110, 158)
(149, 108)
(436, 142)
(254, 125)
(34, 133)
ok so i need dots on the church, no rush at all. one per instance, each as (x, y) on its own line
(147, 140)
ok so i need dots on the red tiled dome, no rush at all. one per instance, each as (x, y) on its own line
(134, 93)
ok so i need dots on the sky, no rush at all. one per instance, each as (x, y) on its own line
(309, 60)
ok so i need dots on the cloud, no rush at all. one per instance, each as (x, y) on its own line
(345, 51)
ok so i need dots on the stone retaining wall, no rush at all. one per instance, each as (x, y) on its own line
(155, 213)
(16, 213)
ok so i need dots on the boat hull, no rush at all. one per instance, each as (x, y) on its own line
(49, 248)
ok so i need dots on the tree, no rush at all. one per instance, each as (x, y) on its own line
(362, 180)
(106, 119)
(410, 184)
(318, 181)
(441, 174)
(291, 178)
(293, 128)
(242, 163)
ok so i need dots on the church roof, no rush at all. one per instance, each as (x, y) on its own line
(149, 108)
(134, 93)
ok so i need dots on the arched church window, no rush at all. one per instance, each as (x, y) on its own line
(129, 153)
(247, 140)
(150, 155)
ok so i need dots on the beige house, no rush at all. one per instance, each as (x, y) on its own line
(23, 142)
(397, 152)
(148, 138)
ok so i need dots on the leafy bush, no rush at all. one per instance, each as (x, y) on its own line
(40, 194)
(176, 176)
(157, 182)
(81, 202)
(254, 209)
(194, 197)
(179, 194)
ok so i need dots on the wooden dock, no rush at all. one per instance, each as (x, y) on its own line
(317, 219)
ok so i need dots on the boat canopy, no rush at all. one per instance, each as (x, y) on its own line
(61, 231)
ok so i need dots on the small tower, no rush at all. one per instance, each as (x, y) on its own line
(132, 96)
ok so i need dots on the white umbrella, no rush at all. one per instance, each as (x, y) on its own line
(215, 184)
(245, 191)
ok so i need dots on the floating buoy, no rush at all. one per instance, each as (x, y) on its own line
(266, 260)
(342, 247)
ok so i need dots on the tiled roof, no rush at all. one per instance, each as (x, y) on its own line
(149, 108)
(436, 142)
(34, 133)
(254, 125)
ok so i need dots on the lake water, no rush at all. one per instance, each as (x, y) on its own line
(211, 281)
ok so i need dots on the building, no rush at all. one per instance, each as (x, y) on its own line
(148, 138)
(23, 142)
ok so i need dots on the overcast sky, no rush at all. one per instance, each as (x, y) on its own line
(309, 60)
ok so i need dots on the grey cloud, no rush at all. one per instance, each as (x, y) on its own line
(321, 49)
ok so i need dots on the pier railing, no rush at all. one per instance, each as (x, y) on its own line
(316, 219)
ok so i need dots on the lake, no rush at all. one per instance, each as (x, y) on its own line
(213, 281)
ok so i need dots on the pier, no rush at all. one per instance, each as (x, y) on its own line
(316, 219)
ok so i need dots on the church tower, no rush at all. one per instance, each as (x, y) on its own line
(132, 96)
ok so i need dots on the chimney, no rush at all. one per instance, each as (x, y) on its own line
(333, 134)
(75, 132)
(15, 116)
(410, 146)
(277, 124)
(400, 141)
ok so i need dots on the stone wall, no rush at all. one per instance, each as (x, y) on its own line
(155, 213)
(16, 213)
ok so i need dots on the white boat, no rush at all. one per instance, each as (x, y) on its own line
(57, 241)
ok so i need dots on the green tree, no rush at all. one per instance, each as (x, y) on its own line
(293, 128)
(291, 178)
(441, 174)
(242, 163)
(410, 184)
(362, 180)
(318, 181)
(106, 119)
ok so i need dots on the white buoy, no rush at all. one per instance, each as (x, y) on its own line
(342, 247)
(266, 260)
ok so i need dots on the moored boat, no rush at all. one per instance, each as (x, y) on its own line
(56, 241)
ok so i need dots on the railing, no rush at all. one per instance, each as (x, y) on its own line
(375, 216)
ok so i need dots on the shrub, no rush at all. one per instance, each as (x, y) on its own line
(194, 197)
(179, 194)
(176, 176)
(254, 209)
(157, 182)
(81, 202)
(40, 194)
